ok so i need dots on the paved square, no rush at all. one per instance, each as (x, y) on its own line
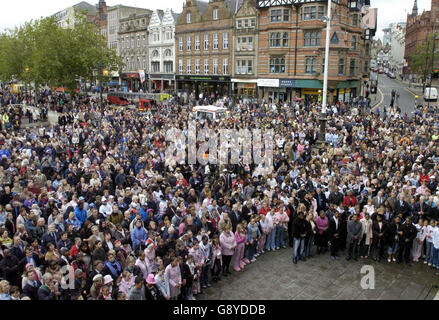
(274, 277)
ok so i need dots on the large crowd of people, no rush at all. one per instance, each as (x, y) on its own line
(90, 208)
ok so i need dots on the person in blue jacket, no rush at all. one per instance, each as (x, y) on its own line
(138, 235)
(80, 212)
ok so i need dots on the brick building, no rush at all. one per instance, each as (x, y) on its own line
(203, 46)
(417, 29)
(292, 51)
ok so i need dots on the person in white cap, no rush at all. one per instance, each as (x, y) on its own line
(105, 209)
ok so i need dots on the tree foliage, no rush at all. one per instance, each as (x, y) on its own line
(421, 61)
(41, 52)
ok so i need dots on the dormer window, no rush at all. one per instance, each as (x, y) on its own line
(188, 17)
(215, 14)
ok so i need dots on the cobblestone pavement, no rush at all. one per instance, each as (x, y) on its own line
(274, 277)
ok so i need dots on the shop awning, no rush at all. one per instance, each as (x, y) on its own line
(347, 84)
(309, 84)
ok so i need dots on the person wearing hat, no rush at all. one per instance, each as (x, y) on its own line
(152, 292)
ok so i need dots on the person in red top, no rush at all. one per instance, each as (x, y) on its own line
(264, 209)
(349, 200)
(423, 176)
(75, 248)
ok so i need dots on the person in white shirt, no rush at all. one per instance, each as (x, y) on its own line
(105, 209)
(429, 243)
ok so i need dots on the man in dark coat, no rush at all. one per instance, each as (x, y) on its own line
(353, 238)
(407, 234)
(379, 231)
(299, 234)
(9, 268)
(31, 287)
(334, 234)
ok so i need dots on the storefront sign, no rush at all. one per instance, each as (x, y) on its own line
(287, 83)
(272, 83)
(204, 78)
(132, 75)
(162, 76)
(311, 91)
(249, 85)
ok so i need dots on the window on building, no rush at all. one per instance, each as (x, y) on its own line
(246, 23)
(215, 66)
(226, 66)
(225, 40)
(341, 67)
(366, 67)
(312, 38)
(197, 66)
(180, 44)
(352, 71)
(206, 66)
(155, 54)
(138, 41)
(180, 66)
(354, 43)
(123, 44)
(128, 43)
(310, 65)
(285, 40)
(215, 14)
(321, 12)
(253, 23)
(168, 53)
(313, 12)
(155, 66)
(286, 15)
(355, 19)
(277, 64)
(197, 42)
(239, 24)
(334, 39)
(189, 67)
(132, 42)
(144, 41)
(276, 15)
(215, 41)
(275, 39)
(169, 66)
(206, 41)
(244, 67)
(188, 17)
(189, 43)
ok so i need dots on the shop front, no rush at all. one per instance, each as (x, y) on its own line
(133, 82)
(209, 86)
(161, 83)
(347, 90)
(244, 89)
(268, 89)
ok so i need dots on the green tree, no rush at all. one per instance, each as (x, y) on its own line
(420, 62)
(41, 52)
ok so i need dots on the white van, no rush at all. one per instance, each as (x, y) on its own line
(209, 112)
(430, 94)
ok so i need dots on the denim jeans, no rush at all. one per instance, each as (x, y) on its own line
(393, 248)
(435, 258)
(308, 246)
(280, 242)
(429, 251)
(204, 279)
(252, 249)
(271, 240)
(298, 247)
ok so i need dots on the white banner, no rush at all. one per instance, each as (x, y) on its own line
(142, 76)
(273, 83)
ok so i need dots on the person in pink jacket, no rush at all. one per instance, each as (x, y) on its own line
(240, 246)
(199, 260)
(173, 273)
(127, 282)
(228, 245)
(265, 231)
(217, 260)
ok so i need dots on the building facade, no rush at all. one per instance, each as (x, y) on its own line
(245, 51)
(133, 42)
(203, 47)
(417, 29)
(397, 48)
(292, 51)
(161, 32)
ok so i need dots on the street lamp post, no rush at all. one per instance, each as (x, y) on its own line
(432, 69)
(323, 115)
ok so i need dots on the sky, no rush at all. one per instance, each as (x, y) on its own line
(14, 13)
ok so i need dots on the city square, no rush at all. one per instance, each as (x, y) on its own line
(216, 150)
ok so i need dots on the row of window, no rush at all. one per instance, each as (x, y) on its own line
(127, 43)
(206, 42)
(277, 65)
(215, 70)
(167, 35)
(310, 39)
(215, 15)
(167, 53)
(138, 64)
(245, 23)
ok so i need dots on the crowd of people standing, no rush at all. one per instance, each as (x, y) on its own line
(90, 208)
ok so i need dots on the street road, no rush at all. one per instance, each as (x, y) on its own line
(406, 99)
